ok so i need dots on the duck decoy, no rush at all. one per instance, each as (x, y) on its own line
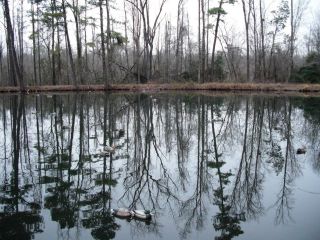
(141, 214)
(121, 213)
(301, 150)
(110, 149)
(121, 133)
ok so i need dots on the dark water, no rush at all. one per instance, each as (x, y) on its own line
(208, 167)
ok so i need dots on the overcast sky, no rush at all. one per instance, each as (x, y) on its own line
(234, 18)
(235, 14)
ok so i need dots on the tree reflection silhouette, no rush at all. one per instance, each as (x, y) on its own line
(107, 228)
(291, 170)
(246, 194)
(224, 220)
(15, 222)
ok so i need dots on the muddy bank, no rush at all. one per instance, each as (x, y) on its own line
(314, 88)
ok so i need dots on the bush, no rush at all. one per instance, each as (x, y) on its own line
(310, 72)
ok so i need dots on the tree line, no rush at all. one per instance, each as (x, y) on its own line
(52, 42)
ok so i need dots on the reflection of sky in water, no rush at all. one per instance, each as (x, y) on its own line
(304, 213)
(174, 181)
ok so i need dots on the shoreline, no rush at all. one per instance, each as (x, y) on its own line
(155, 87)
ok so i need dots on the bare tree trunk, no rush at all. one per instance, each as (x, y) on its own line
(77, 19)
(292, 33)
(109, 50)
(167, 49)
(199, 41)
(182, 44)
(145, 20)
(271, 53)
(203, 50)
(215, 39)
(179, 36)
(189, 44)
(85, 36)
(34, 45)
(262, 20)
(1, 63)
(126, 34)
(207, 41)
(257, 62)
(136, 29)
(59, 70)
(53, 63)
(103, 49)
(15, 72)
(38, 43)
(73, 72)
(93, 37)
(246, 14)
(20, 37)
(149, 31)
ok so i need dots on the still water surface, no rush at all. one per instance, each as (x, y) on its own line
(208, 167)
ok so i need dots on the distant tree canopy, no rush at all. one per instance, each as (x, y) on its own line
(310, 72)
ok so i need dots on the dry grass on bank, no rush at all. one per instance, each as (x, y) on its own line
(266, 87)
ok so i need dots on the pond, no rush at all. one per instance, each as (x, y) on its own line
(207, 166)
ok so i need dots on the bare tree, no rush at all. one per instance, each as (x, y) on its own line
(66, 30)
(296, 14)
(14, 68)
(262, 29)
(103, 48)
(247, 8)
(179, 41)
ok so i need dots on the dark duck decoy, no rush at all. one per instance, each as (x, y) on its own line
(302, 150)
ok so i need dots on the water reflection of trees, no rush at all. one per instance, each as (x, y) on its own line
(20, 214)
(225, 220)
(172, 154)
(311, 126)
(246, 193)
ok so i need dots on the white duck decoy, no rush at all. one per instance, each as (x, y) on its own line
(142, 214)
(121, 213)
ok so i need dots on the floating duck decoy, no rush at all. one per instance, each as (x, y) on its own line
(121, 133)
(121, 213)
(102, 153)
(110, 149)
(301, 150)
(141, 214)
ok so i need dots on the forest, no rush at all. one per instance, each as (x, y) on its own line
(87, 42)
